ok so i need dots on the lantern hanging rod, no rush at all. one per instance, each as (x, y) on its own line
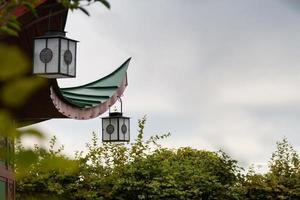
(46, 17)
(120, 100)
(49, 19)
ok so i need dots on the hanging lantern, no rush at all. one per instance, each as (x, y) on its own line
(54, 55)
(116, 127)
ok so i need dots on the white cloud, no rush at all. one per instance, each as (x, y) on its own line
(215, 74)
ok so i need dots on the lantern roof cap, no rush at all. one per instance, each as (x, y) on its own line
(116, 114)
(55, 34)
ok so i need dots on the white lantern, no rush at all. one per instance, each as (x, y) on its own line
(54, 55)
(115, 128)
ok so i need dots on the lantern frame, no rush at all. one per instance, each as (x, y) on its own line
(116, 117)
(63, 60)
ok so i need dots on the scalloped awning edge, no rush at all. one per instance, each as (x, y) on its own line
(73, 112)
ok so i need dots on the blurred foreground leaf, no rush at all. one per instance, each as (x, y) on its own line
(58, 163)
(24, 159)
(16, 93)
(7, 127)
(8, 31)
(13, 62)
(105, 3)
(32, 132)
(30, 7)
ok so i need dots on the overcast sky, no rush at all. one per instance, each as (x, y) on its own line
(216, 74)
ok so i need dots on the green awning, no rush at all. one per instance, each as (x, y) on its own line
(97, 92)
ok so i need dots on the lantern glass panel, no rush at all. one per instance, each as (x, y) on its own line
(39, 66)
(124, 129)
(72, 65)
(63, 64)
(110, 129)
(52, 65)
(105, 123)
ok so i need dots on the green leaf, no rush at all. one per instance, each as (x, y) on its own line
(105, 3)
(16, 93)
(32, 132)
(24, 159)
(31, 8)
(84, 11)
(8, 31)
(7, 128)
(59, 163)
(13, 62)
(14, 25)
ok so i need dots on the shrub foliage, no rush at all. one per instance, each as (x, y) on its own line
(145, 170)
